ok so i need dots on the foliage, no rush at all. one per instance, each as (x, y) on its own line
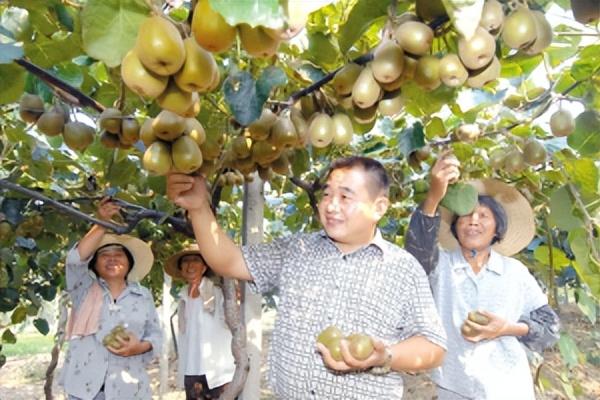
(83, 42)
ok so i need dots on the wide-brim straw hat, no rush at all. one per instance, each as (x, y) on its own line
(520, 225)
(172, 264)
(140, 251)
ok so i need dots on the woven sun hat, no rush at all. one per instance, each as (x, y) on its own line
(140, 251)
(172, 264)
(520, 219)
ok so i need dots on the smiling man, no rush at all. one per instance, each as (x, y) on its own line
(346, 275)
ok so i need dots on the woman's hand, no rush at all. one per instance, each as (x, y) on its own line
(495, 328)
(350, 364)
(107, 209)
(444, 172)
(132, 346)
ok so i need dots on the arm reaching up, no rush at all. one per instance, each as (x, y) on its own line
(220, 252)
(89, 243)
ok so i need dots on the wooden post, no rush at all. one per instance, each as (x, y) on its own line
(252, 233)
(165, 318)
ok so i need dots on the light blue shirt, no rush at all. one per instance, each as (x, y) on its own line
(491, 369)
(88, 364)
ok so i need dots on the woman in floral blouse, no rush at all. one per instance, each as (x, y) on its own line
(102, 273)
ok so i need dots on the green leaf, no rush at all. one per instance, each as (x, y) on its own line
(586, 138)
(8, 337)
(321, 49)
(587, 64)
(411, 139)
(47, 52)
(12, 83)
(562, 47)
(246, 97)
(460, 198)
(584, 174)
(561, 210)
(568, 350)
(420, 103)
(559, 258)
(9, 298)
(41, 325)
(122, 172)
(435, 128)
(300, 162)
(10, 52)
(110, 28)
(18, 315)
(363, 15)
(252, 12)
(587, 305)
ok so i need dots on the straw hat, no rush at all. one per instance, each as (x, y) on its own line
(520, 225)
(140, 251)
(172, 264)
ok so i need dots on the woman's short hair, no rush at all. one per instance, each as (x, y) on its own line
(94, 260)
(499, 216)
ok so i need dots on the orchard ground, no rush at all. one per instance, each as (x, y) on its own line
(23, 375)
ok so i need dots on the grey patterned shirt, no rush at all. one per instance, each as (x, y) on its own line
(490, 369)
(88, 364)
(380, 290)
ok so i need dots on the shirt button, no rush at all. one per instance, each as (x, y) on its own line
(312, 392)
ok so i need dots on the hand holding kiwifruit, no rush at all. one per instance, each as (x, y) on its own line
(360, 346)
(476, 317)
(331, 337)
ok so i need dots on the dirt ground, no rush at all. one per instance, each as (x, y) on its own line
(23, 378)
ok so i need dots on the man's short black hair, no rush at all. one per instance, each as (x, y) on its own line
(499, 216)
(380, 181)
(92, 264)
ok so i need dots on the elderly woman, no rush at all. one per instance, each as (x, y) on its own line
(206, 364)
(486, 357)
(103, 272)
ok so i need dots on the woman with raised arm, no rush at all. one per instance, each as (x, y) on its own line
(491, 306)
(113, 329)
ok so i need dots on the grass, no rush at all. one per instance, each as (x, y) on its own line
(29, 344)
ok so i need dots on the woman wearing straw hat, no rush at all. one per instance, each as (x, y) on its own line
(474, 272)
(102, 274)
(206, 364)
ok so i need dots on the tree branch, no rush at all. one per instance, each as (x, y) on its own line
(310, 190)
(75, 97)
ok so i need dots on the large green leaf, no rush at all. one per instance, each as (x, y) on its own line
(18, 315)
(460, 198)
(8, 337)
(12, 83)
(321, 49)
(586, 138)
(569, 351)
(10, 52)
(587, 305)
(246, 97)
(363, 15)
(561, 210)
(47, 52)
(584, 174)
(110, 28)
(252, 12)
(559, 258)
(420, 103)
(587, 64)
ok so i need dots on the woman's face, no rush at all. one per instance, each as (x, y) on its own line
(192, 267)
(477, 230)
(112, 263)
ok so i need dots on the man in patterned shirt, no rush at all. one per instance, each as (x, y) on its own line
(346, 275)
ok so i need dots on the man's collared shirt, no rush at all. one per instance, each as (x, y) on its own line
(379, 290)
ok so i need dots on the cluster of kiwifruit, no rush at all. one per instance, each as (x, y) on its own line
(112, 338)
(55, 121)
(173, 143)
(513, 159)
(405, 56)
(359, 345)
(213, 33)
(118, 130)
(30, 227)
(164, 66)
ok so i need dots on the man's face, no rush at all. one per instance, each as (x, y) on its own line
(476, 230)
(192, 267)
(112, 263)
(348, 211)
